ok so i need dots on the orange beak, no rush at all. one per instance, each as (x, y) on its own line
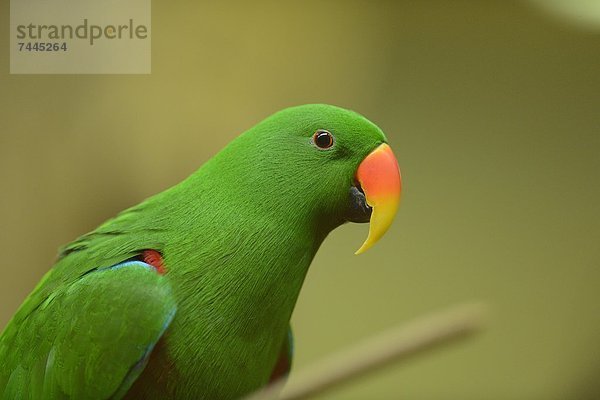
(379, 177)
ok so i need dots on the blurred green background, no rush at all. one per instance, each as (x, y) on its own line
(492, 107)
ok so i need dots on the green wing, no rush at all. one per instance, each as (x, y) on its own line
(89, 339)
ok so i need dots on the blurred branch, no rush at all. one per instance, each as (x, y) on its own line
(579, 13)
(392, 346)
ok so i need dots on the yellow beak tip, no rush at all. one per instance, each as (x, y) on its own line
(359, 251)
(364, 247)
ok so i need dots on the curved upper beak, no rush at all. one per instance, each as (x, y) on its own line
(379, 177)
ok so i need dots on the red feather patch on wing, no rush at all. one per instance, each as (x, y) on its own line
(153, 257)
(282, 367)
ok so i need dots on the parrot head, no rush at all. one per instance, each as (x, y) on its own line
(326, 162)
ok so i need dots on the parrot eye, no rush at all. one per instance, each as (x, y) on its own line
(323, 139)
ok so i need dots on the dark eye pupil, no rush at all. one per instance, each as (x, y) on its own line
(323, 139)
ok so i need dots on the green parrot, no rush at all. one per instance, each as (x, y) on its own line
(189, 294)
